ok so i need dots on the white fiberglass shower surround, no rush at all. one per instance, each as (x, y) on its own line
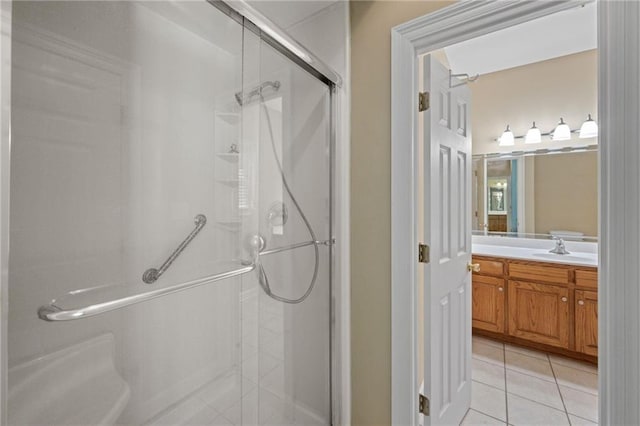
(170, 219)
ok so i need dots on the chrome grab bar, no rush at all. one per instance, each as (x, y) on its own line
(151, 275)
(51, 312)
(295, 246)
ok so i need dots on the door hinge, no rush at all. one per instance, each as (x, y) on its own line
(423, 101)
(423, 253)
(423, 404)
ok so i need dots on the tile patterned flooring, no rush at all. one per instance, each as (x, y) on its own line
(517, 386)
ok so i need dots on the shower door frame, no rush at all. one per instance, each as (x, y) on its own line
(5, 163)
(338, 189)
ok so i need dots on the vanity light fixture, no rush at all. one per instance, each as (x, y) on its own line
(507, 138)
(562, 131)
(589, 128)
(533, 135)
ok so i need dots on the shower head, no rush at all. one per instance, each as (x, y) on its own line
(243, 99)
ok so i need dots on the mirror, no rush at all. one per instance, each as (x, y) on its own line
(544, 194)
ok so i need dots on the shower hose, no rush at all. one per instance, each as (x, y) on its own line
(263, 279)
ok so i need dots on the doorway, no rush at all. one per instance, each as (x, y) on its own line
(428, 34)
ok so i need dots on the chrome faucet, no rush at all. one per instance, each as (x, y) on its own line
(559, 248)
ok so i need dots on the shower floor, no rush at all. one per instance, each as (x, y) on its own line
(247, 404)
(236, 398)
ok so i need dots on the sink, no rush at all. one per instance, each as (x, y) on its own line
(565, 257)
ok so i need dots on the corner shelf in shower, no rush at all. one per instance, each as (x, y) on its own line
(232, 225)
(232, 118)
(231, 157)
(229, 182)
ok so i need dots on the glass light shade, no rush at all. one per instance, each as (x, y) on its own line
(533, 135)
(562, 131)
(589, 128)
(507, 138)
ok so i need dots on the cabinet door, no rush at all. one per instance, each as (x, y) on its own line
(488, 303)
(539, 312)
(587, 322)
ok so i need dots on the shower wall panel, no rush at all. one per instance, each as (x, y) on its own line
(113, 156)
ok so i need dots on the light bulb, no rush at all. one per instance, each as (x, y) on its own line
(533, 135)
(507, 138)
(562, 131)
(589, 128)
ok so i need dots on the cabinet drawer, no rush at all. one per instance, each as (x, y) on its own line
(548, 274)
(490, 267)
(587, 279)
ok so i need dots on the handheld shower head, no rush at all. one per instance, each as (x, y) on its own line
(239, 98)
(256, 92)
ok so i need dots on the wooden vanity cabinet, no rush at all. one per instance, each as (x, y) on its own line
(488, 303)
(539, 313)
(547, 306)
(586, 306)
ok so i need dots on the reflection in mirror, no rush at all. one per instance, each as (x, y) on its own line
(546, 194)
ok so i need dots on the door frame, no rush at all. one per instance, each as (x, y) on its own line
(619, 189)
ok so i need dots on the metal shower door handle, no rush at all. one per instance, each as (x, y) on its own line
(151, 275)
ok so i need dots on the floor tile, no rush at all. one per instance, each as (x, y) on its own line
(222, 401)
(580, 403)
(489, 400)
(303, 416)
(486, 341)
(488, 353)
(578, 421)
(181, 413)
(573, 363)
(206, 416)
(250, 410)
(474, 417)
(221, 421)
(576, 379)
(533, 388)
(525, 412)
(525, 351)
(488, 373)
(529, 365)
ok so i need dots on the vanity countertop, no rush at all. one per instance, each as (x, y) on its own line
(580, 253)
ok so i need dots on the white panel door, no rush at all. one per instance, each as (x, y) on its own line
(447, 230)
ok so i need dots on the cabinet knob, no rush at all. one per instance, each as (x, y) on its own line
(580, 302)
(473, 267)
(564, 299)
(500, 289)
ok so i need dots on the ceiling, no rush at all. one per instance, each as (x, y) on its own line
(560, 34)
(288, 13)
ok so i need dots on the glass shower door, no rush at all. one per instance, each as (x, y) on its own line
(122, 145)
(286, 345)
(170, 221)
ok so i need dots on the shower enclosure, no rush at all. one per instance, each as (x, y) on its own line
(170, 218)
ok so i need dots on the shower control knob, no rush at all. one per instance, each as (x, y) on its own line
(256, 243)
